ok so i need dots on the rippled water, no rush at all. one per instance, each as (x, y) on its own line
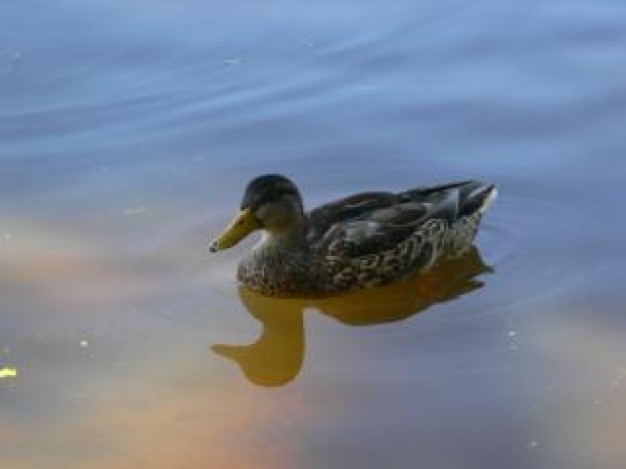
(127, 133)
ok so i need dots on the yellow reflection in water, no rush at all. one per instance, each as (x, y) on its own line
(277, 355)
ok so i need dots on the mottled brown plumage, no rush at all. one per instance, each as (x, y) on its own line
(363, 240)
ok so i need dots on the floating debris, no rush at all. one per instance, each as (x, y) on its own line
(512, 336)
(8, 372)
(133, 211)
(230, 62)
(84, 343)
(533, 444)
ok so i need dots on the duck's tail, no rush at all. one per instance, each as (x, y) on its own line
(488, 197)
(477, 197)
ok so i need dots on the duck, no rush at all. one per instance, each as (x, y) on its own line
(364, 240)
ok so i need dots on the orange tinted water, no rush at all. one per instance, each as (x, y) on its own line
(128, 131)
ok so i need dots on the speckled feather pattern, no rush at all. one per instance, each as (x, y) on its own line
(418, 252)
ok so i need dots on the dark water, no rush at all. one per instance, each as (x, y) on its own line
(127, 133)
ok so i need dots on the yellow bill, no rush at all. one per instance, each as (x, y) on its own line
(242, 225)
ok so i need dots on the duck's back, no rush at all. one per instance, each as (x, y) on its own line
(373, 238)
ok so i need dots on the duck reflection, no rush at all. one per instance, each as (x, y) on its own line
(276, 357)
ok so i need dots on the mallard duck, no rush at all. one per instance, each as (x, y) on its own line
(364, 240)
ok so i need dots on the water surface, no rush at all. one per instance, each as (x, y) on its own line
(127, 133)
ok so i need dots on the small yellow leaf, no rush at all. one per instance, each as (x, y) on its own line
(8, 372)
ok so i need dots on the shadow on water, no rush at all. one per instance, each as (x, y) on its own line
(276, 357)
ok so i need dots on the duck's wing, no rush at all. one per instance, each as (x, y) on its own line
(375, 222)
(453, 200)
(323, 218)
(363, 224)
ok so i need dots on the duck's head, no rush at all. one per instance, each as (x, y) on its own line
(271, 202)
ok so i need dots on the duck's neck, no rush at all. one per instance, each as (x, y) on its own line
(284, 241)
(278, 263)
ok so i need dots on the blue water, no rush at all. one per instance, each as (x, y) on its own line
(128, 131)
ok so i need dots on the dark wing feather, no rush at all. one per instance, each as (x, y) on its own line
(322, 218)
(471, 194)
(373, 222)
